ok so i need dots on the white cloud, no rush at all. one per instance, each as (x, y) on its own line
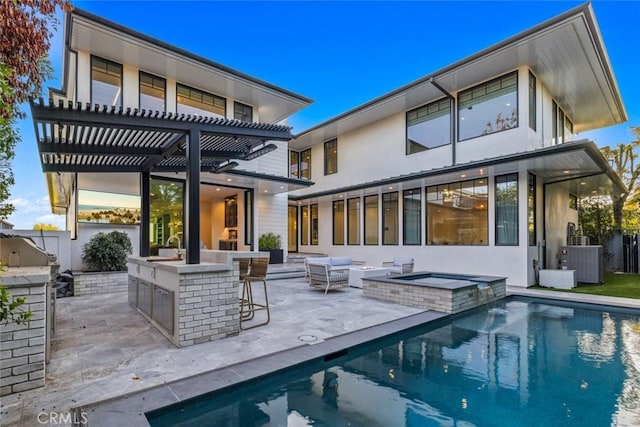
(31, 210)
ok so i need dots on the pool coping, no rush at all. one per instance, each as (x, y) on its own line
(130, 409)
(462, 282)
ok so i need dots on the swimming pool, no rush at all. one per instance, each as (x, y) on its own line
(519, 363)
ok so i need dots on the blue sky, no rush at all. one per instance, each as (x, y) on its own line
(340, 54)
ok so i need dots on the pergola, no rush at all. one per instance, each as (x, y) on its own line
(75, 138)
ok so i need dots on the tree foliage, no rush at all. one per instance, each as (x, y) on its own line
(596, 218)
(45, 227)
(624, 160)
(26, 27)
(12, 308)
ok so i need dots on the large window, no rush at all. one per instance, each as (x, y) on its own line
(338, 222)
(412, 216)
(561, 125)
(507, 209)
(488, 108)
(331, 157)
(305, 164)
(371, 220)
(106, 82)
(152, 92)
(166, 212)
(457, 213)
(531, 210)
(353, 221)
(390, 224)
(304, 222)
(532, 101)
(242, 112)
(429, 126)
(314, 224)
(196, 102)
(294, 164)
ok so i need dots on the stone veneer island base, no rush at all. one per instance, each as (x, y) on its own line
(24, 348)
(444, 292)
(189, 303)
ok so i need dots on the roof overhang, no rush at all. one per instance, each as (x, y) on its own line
(259, 182)
(88, 32)
(566, 53)
(578, 166)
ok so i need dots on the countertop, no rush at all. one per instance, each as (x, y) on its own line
(25, 276)
(210, 260)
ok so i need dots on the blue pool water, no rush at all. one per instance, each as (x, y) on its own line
(519, 363)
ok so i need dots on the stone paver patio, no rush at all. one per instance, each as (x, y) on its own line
(103, 348)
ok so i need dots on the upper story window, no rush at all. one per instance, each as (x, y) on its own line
(532, 101)
(305, 164)
(294, 164)
(561, 125)
(488, 108)
(300, 164)
(153, 92)
(429, 126)
(242, 112)
(196, 102)
(331, 157)
(106, 82)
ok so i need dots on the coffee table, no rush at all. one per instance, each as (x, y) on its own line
(356, 274)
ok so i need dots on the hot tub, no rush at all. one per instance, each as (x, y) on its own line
(445, 292)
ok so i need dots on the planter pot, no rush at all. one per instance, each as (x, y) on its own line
(276, 256)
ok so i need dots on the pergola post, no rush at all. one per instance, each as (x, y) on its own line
(145, 209)
(192, 198)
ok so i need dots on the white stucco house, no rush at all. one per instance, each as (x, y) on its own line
(474, 168)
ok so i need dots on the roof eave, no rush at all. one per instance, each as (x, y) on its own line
(584, 10)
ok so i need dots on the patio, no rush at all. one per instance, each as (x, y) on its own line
(103, 348)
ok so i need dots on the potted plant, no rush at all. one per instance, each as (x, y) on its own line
(271, 242)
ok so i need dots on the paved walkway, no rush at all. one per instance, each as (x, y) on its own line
(103, 348)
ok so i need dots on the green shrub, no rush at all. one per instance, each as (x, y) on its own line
(269, 241)
(13, 309)
(107, 251)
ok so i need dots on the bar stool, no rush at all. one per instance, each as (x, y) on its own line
(248, 305)
(243, 272)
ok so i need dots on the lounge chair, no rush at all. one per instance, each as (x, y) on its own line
(399, 265)
(336, 263)
(320, 275)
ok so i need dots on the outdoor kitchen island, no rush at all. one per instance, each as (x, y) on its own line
(189, 303)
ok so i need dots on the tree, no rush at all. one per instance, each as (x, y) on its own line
(25, 32)
(41, 226)
(623, 160)
(595, 217)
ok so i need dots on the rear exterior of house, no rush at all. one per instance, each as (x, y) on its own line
(475, 168)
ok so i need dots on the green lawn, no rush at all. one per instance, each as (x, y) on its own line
(615, 285)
